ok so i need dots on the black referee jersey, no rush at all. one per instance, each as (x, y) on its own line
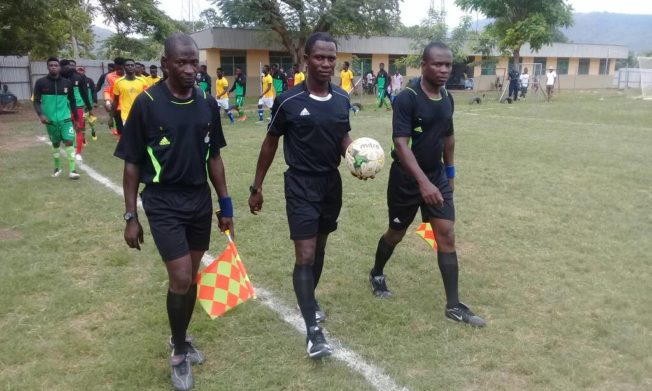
(313, 127)
(170, 138)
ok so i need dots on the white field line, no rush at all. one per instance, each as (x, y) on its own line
(374, 375)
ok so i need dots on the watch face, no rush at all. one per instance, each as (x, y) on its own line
(128, 216)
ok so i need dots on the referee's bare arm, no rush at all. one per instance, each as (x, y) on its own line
(449, 156)
(429, 192)
(265, 159)
(218, 179)
(130, 180)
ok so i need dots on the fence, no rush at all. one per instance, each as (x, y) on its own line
(20, 74)
(628, 78)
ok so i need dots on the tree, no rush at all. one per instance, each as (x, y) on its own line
(517, 21)
(211, 18)
(433, 28)
(44, 28)
(294, 20)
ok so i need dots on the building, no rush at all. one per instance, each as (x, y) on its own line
(578, 65)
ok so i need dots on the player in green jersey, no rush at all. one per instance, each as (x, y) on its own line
(54, 101)
(240, 88)
(382, 82)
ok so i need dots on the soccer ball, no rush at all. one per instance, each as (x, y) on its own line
(365, 157)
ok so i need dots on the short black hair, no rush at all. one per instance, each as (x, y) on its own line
(111, 65)
(72, 62)
(153, 66)
(432, 45)
(50, 59)
(346, 63)
(128, 59)
(64, 62)
(219, 69)
(274, 65)
(177, 38)
(119, 61)
(320, 36)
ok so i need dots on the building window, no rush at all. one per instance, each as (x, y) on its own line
(230, 60)
(393, 67)
(361, 64)
(488, 66)
(542, 61)
(604, 66)
(283, 59)
(583, 67)
(562, 65)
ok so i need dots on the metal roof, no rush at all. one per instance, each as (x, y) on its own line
(253, 39)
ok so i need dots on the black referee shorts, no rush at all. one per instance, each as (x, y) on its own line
(404, 198)
(312, 202)
(180, 219)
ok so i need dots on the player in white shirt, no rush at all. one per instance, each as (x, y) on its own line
(551, 78)
(397, 84)
(525, 81)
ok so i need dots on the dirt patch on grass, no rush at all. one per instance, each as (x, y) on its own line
(7, 234)
(9, 140)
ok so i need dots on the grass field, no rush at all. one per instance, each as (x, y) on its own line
(554, 235)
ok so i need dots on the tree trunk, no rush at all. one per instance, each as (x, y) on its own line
(517, 57)
(75, 47)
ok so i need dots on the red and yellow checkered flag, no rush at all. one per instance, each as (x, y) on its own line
(224, 283)
(426, 232)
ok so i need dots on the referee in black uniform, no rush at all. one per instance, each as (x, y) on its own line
(422, 130)
(172, 143)
(314, 118)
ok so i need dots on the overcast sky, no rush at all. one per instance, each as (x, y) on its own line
(412, 11)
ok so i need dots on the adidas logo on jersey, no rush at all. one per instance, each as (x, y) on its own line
(164, 141)
(304, 112)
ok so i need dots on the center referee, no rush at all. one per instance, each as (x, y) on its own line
(314, 118)
(171, 142)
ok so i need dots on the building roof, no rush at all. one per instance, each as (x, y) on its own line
(225, 38)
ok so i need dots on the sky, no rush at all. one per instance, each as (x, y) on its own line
(412, 11)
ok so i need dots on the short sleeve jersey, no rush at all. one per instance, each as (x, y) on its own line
(220, 86)
(426, 122)
(152, 80)
(267, 81)
(171, 139)
(313, 128)
(550, 78)
(128, 90)
(347, 80)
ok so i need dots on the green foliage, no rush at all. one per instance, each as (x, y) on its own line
(211, 18)
(433, 28)
(145, 49)
(517, 22)
(41, 28)
(293, 21)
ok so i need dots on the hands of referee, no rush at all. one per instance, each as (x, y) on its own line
(134, 234)
(256, 202)
(226, 223)
(431, 194)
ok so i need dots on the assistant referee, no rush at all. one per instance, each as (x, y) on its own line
(313, 117)
(171, 143)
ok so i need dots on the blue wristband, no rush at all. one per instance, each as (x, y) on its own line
(450, 172)
(226, 207)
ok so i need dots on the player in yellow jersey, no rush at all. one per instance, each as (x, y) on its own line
(222, 93)
(298, 75)
(266, 99)
(153, 77)
(346, 82)
(127, 88)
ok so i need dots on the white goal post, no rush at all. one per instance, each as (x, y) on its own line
(645, 68)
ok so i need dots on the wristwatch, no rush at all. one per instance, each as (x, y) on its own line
(253, 189)
(130, 216)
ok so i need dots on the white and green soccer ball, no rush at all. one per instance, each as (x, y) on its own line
(365, 157)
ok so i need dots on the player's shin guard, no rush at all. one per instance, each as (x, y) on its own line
(190, 299)
(449, 269)
(57, 157)
(304, 288)
(177, 316)
(70, 153)
(230, 115)
(318, 266)
(383, 253)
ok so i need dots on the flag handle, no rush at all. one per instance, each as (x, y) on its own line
(228, 235)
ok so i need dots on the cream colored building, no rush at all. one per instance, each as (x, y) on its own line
(578, 65)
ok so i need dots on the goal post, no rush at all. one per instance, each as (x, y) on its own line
(645, 69)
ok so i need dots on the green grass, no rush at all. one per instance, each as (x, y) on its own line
(553, 233)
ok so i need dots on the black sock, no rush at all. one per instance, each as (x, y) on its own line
(190, 299)
(318, 266)
(449, 274)
(383, 253)
(177, 316)
(304, 288)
